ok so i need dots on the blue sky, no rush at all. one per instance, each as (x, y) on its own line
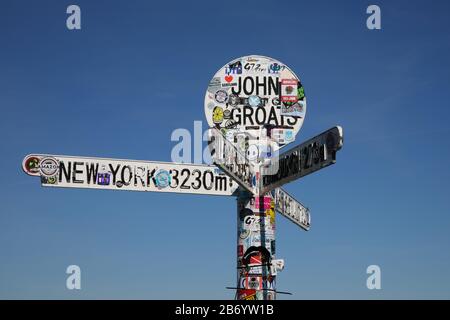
(137, 70)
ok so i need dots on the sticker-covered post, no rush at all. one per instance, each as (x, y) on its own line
(256, 263)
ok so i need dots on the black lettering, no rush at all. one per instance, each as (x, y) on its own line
(150, 176)
(272, 117)
(187, 172)
(221, 183)
(130, 175)
(76, 171)
(309, 160)
(174, 178)
(66, 172)
(239, 87)
(91, 173)
(259, 111)
(205, 179)
(114, 172)
(261, 84)
(292, 120)
(139, 172)
(274, 86)
(316, 153)
(248, 113)
(246, 90)
(197, 179)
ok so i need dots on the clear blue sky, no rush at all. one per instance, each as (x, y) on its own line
(137, 70)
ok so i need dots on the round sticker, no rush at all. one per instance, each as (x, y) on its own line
(31, 165)
(48, 167)
(162, 178)
(221, 96)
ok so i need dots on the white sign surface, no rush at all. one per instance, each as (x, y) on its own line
(132, 175)
(292, 209)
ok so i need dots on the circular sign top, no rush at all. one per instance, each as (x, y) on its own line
(255, 97)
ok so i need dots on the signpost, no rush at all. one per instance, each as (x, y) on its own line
(254, 105)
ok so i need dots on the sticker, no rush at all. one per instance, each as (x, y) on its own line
(221, 96)
(244, 213)
(271, 214)
(274, 68)
(268, 282)
(252, 152)
(282, 136)
(250, 297)
(31, 165)
(289, 90)
(250, 222)
(253, 282)
(103, 176)
(233, 100)
(234, 68)
(246, 294)
(230, 124)
(256, 259)
(267, 202)
(254, 101)
(214, 85)
(162, 179)
(255, 270)
(263, 255)
(240, 250)
(49, 180)
(217, 115)
(296, 109)
(227, 114)
(48, 167)
(244, 234)
(256, 240)
(228, 78)
(270, 295)
(260, 295)
(252, 67)
(289, 135)
(104, 179)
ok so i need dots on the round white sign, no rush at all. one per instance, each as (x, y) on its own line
(255, 97)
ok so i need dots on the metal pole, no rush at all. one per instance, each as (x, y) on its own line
(255, 247)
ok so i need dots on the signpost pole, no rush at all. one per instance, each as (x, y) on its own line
(255, 247)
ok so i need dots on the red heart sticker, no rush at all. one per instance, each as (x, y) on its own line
(228, 78)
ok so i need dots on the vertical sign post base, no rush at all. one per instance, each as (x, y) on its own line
(255, 247)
